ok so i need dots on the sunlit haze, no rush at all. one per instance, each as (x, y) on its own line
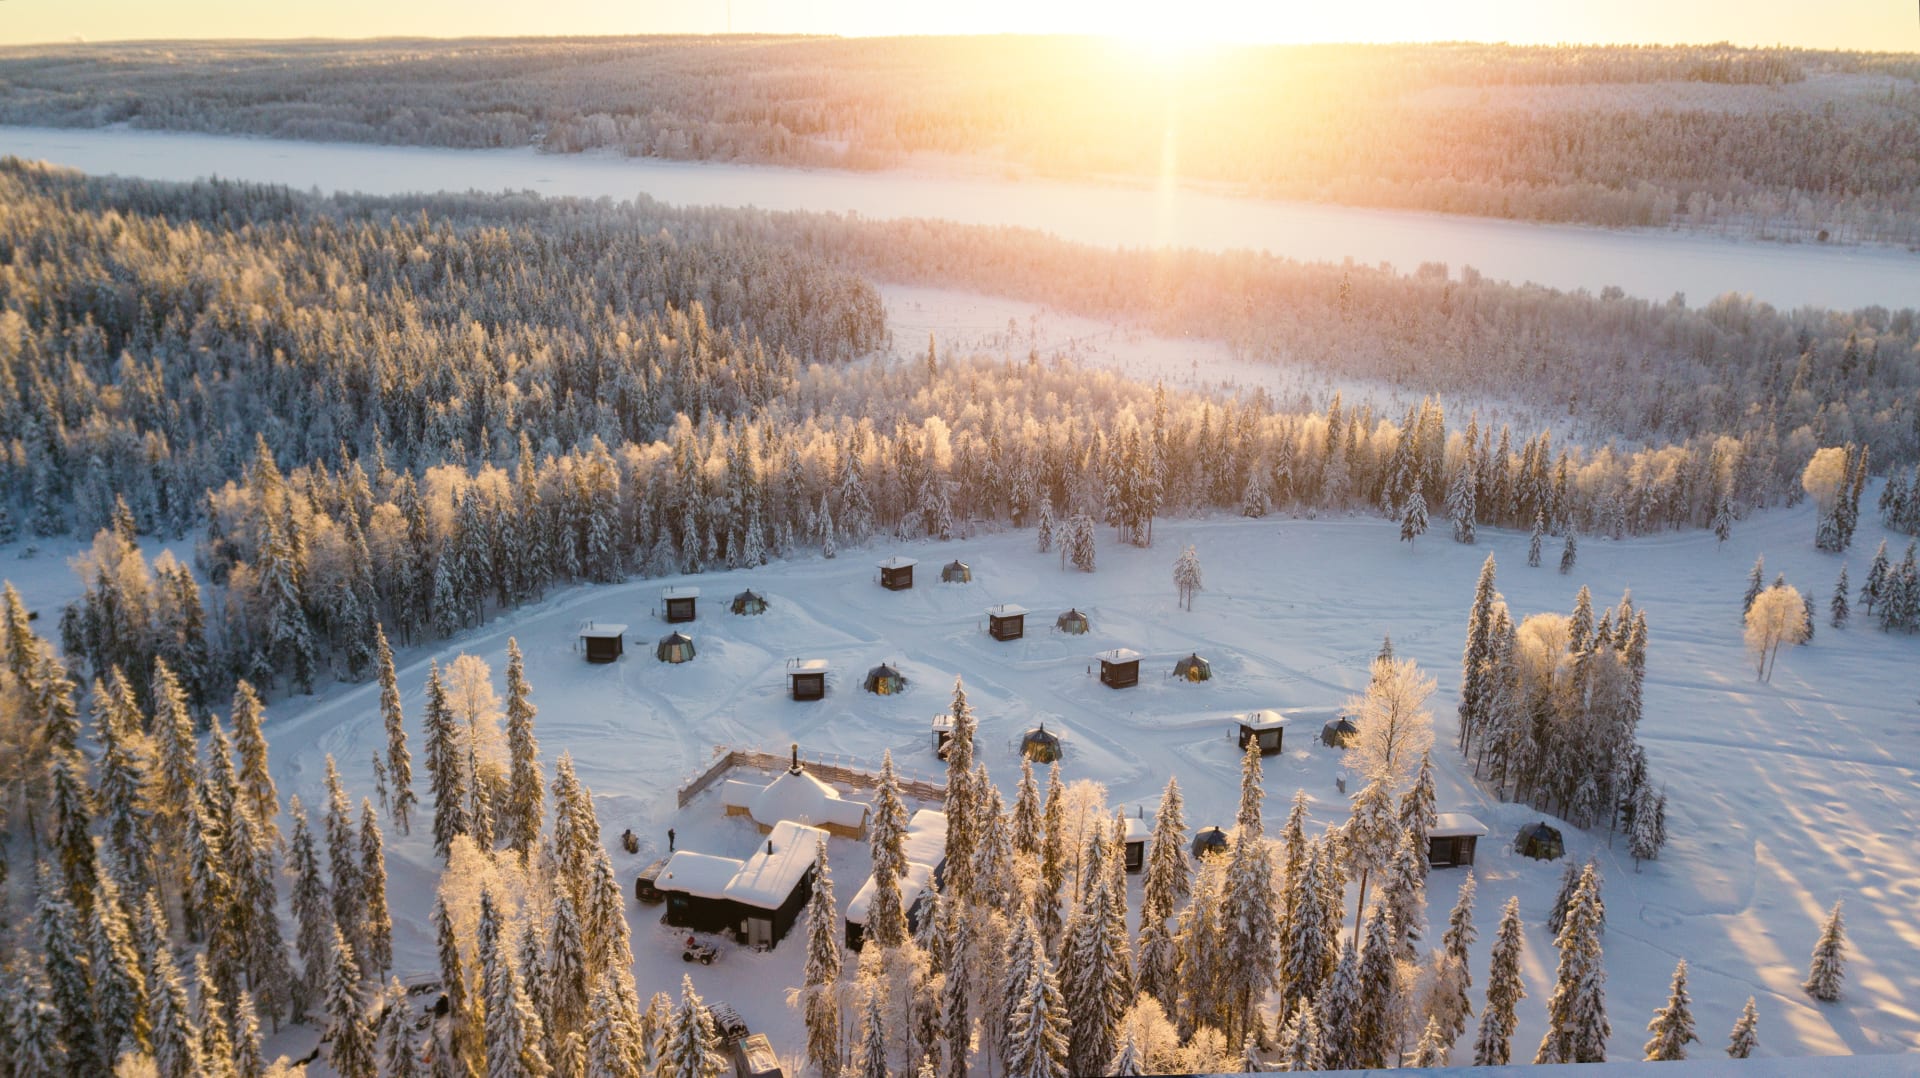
(1850, 24)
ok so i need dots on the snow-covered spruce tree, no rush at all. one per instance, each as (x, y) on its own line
(119, 1008)
(1413, 522)
(376, 924)
(956, 1023)
(1369, 840)
(176, 1042)
(1431, 1051)
(1745, 1036)
(566, 971)
(1534, 540)
(1255, 500)
(1448, 1002)
(1577, 1026)
(1025, 822)
(963, 823)
(1250, 916)
(1722, 523)
(871, 1060)
(1672, 1025)
(32, 1027)
(1377, 1014)
(818, 997)
(886, 914)
(1812, 619)
(1403, 897)
(1756, 583)
(691, 1048)
(1476, 672)
(1569, 553)
(1053, 862)
(63, 955)
(249, 1059)
(1417, 811)
(1648, 832)
(525, 810)
(615, 1049)
(121, 784)
(216, 1035)
(1873, 589)
(1167, 883)
(446, 766)
(343, 866)
(1187, 576)
(1557, 913)
(514, 1035)
(312, 912)
(1838, 610)
(1044, 534)
(1037, 1034)
(1082, 543)
(251, 742)
(350, 1042)
(255, 911)
(1310, 941)
(1300, 1047)
(1460, 503)
(1340, 1001)
(1828, 968)
(400, 1053)
(1505, 990)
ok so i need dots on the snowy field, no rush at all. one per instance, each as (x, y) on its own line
(1645, 262)
(1784, 797)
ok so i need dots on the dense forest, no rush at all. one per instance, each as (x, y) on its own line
(1780, 143)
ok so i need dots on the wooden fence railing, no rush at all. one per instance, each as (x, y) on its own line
(849, 774)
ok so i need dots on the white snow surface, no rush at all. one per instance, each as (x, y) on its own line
(1783, 797)
(1456, 825)
(1646, 262)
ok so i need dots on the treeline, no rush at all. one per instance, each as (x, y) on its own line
(1771, 154)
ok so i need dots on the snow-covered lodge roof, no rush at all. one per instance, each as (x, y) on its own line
(602, 632)
(926, 837)
(780, 863)
(1138, 829)
(917, 878)
(700, 874)
(1456, 825)
(1263, 719)
(794, 795)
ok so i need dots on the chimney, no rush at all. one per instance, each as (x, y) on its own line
(769, 847)
(796, 757)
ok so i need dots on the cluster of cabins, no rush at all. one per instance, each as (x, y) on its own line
(605, 642)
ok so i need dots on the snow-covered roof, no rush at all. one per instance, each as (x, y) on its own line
(926, 837)
(680, 592)
(1456, 825)
(1264, 719)
(1138, 828)
(603, 632)
(794, 795)
(943, 720)
(1006, 610)
(699, 874)
(807, 666)
(917, 878)
(897, 562)
(770, 874)
(1118, 655)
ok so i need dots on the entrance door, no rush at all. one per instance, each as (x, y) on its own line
(759, 933)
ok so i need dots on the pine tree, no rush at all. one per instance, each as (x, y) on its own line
(566, 970)
(343, 867)
(1755, 583)
(956, 1023)
(350, 1041)
(1829, 959)
(871, 1062)
(1432, 1049)
(216, 1035)
(819, 999)
(1300, 1042)
(249, 1060)
(1026, 821)
(399, 760)
(1493, 1048)
(1413, 522)
(401, 1057)
(312, 911)
(120, 1008)
(1417, 814)
(255, 908)
(1251, 905)
(1577, 1026)
(461, 1036)
(1308, 947)
(1722, 523)
(1838, 608)
(1187, 576)
(1374, 1018)
(1741, 1043)
(886, 913)
(176, 1042)
(692, 1048)
(446, 766)
(1167, 884)
(513, 1030)
(376, 924)
(525, 809)
(1053, 866)
(1044, 534)
(1339, 1001)
(1037, 1034)
(1534, 540)
(1672, 1025)
(63, 955)
(612, 1043)
(36, 1048)
(1448, 1002)
(1569, 882)
(1369, 840)
(1568, 554)
(1874, 588)
(1460, 502)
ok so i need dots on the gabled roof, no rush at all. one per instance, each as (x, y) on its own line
(794, 796)
(782, 860)
(926, 837)
(699, 874)
(1456, 825)
(1138, 829)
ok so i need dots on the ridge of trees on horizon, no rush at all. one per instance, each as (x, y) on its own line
(1774, 143)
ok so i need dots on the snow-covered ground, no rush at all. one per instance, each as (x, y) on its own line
(1784, 797)
(1645, 262)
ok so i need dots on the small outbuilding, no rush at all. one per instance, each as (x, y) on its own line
(1039, 745)
(807, 678)
(1006, 621)
(1073, 623)
(1266, 726)
(896, 573)
(1339, 733)
(1138, 831)
(679, 604)
(942, 733)
(956, 572)
(1210, 841)
(603, 643)
(1452, 839)
(884, 680)
(749, 602)
(1540, 841)
(1120, 668)
(674, 648)
(1193, 668)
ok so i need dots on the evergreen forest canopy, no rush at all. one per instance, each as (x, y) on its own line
(408, 412)
(1781, 143)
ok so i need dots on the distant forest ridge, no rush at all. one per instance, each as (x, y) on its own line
(1778, 143)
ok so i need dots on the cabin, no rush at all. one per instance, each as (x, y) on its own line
(1040, 746)
(1119, 668)
(603, 643)
(749, 603)
(680, 604)
(1209, 842)
(1452, 839)
(1267, 726)
(1339, 733)
(896, 573)
(925, 848)
(674, 648)
(942, 733)
(753, 1058)
(884, 680)
(956, 572)
(757, 900)
(1006, 621)
(1138, 830)
(1193, 668)
(807, 679)
(1073, 623)
(1540, 842)
(795, 794)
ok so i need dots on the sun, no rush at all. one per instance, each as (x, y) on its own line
(1154, 39)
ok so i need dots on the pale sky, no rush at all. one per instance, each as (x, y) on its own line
(1887, 25)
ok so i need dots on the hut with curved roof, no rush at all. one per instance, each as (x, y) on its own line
(884, 680)
(1073, 622)
(1210, 841)
(1540, 841)
(956, 572)
(1339, 733)
(749, 602)
(674, 648)
(1193, 668)
(1040, 746)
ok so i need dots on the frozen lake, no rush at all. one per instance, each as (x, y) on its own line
(1648, 263)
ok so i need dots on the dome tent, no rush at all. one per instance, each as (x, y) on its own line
(956, 572)
(1040, 746)
(884, 680)
(1210, 841)
(749, 602)
(1193, 668)
(674, 648)
(1339, 733)
(1540, 842)
(1072, 622)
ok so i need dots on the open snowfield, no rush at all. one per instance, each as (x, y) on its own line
(1645, 262)
(1784, 797)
